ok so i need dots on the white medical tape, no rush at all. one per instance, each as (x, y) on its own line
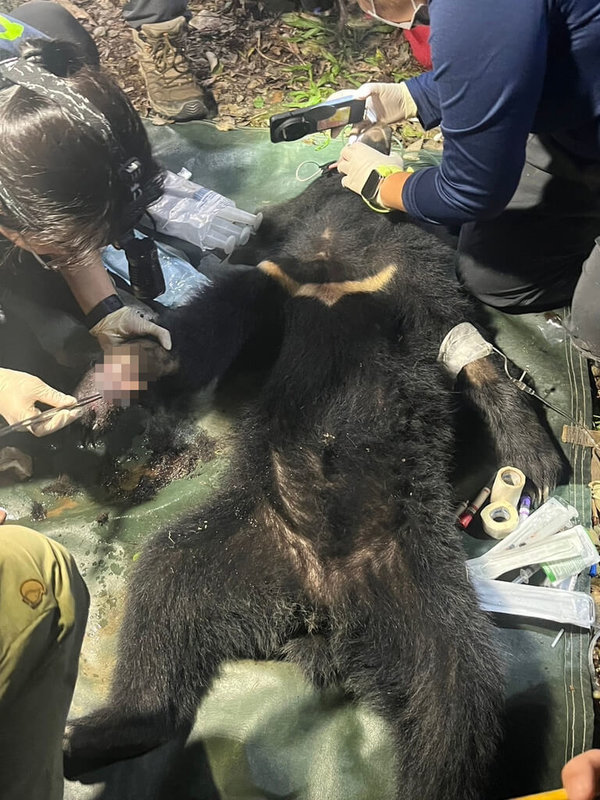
(462, 345)
(499, 519)
(508, 485)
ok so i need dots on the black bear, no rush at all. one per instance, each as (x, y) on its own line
(328, 539)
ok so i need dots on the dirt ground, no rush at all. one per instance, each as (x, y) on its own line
(259, 57)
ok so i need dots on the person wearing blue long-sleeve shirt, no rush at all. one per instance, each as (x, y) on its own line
(515, 87)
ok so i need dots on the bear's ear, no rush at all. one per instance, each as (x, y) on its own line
(60, 58)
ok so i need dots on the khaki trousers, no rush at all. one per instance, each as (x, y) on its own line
(43, 611)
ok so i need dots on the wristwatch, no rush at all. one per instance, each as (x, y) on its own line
(370, 190)
(105, 307)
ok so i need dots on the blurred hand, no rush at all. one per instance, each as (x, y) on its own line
(581, 776)
(385, 103)
(19, 393)
(358, 160)
(128, 323)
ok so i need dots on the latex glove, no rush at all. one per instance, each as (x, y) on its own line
(128, 323)
(358, 160)
(19, 392)
(385, 103)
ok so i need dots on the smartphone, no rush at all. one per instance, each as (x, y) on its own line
(292, 125)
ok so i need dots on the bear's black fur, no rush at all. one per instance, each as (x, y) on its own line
(332, 541)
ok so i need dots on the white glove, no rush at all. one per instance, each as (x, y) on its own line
(128, 323)
(358, 160)
(385, 103)
(19, 393)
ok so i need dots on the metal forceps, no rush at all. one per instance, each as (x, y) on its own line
(23, 425)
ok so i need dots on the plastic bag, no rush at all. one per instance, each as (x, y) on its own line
(182, 280)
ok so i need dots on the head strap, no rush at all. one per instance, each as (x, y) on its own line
(24, 72)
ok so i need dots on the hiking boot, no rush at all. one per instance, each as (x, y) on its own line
(173, 91)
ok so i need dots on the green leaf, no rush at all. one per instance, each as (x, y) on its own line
(302, 23)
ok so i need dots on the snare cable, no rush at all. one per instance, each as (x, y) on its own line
(523, 387)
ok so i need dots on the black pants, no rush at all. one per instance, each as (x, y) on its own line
(57, 23)
(147, 12)
(530, 258)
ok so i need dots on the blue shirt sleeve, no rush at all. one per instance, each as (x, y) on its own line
(489, 65)
(425, 94)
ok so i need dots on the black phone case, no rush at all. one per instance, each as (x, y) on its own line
(291, 125)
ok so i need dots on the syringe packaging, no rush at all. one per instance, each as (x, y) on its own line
(583, 556)
(567, 608)
(200, 216)
(563, 554)
(548, 540)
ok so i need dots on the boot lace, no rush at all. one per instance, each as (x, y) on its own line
(168, 53)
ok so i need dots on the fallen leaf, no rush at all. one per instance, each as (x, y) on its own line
(213, 61)
(158, 121)
(66, 504)
(224, 125)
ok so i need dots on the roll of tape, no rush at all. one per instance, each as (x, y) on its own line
(508, 485)
(499, 519)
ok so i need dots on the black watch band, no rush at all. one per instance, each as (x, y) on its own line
(103, 309)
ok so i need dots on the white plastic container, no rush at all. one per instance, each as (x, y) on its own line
(566, 608)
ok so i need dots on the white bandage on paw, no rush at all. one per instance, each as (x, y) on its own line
(461, 345)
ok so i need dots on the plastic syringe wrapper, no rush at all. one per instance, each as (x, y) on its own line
(182, 280)
(571, 549)
(559, 570)
(200, 216)
(553, 516)
(566, 608)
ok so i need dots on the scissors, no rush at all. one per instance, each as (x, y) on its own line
(23, 425)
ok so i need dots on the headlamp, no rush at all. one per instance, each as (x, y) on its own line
(145, 272)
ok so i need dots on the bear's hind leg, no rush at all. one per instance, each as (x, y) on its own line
(188, 610)
(439, 689)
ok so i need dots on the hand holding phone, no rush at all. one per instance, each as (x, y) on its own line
(385, 103)
(292, 125)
